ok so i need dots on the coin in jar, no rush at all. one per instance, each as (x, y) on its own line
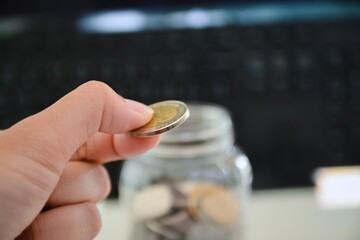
(200, 192)
(221, 208)
(168, 233)
(167, 115)
(153, 202)
(180, 221)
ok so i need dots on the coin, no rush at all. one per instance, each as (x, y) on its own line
(168, 233)
(180, 221)
(221, 208)
(153, 202)
(167, 115)
(199, 192)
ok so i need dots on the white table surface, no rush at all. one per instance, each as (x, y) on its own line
(290, 214)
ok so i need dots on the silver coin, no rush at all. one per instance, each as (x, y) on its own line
(181, 221)
(180, 199)
(163, 231)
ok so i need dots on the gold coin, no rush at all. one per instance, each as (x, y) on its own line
(198, 193)
(221, 208)
(167, 115)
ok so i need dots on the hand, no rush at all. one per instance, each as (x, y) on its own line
(53, 159)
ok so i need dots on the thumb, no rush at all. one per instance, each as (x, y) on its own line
(34, 152)
(53, 135)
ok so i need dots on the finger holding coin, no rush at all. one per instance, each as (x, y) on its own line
(167, 115)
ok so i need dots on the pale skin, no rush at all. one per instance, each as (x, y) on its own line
(52, 160)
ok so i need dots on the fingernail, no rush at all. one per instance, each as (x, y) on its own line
(139, 107)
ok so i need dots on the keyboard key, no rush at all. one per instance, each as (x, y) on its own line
(304, 61)
(176, 41)
(183, 66)
(254, 64)
(169, 91)
(221, 91)
(227, 38)
(303, 34)
(279, 63)
(220, 61)
(253, 36)
(279, 36)
(254, 69)
(159, 66)
(200, 40)
(330, 34)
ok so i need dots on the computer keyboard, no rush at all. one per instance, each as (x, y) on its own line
(293, 88)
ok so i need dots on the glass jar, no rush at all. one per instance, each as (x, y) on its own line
(193, 186)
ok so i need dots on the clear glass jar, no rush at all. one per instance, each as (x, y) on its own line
(193, 186)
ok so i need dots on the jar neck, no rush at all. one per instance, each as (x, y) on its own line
(164, 162)
(207, 132)
(194, 149)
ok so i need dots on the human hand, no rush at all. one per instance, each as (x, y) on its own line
(52, 161)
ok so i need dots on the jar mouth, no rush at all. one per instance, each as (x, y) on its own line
(191, 150)
(208, 130)
(206, 121)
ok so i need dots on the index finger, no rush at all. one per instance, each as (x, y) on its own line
(52, 136)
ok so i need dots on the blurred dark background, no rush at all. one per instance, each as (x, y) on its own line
(288, 71)
(38, 6)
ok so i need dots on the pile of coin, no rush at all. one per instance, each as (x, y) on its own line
(183, 210)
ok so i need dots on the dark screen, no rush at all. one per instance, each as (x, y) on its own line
(41, 6)
(45, 6)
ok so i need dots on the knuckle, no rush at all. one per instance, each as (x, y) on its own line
(96, 94)
(95, 84)
(96, 88)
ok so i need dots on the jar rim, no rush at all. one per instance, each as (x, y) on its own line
(208, 130)
(206, 121)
